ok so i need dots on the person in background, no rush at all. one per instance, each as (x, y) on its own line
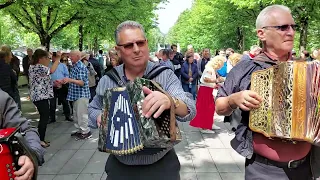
(60, 90)
(8, 78)
(41, 90)
(96, 67)
(114, 60)
(177, 60)
(305, 55)
(315, 54)
(165, 61)
(79, 93)
(204, 60)
(101, 61)
(26, 61)
(16, 95)
(205, 102)
(91, 74)
(189, 75)
(254, 51)
(223, 71)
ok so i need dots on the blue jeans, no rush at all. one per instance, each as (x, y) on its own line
(191, 90)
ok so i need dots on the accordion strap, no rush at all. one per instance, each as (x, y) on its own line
(156, 70)
(113, 74)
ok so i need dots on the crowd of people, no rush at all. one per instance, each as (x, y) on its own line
(200, 84)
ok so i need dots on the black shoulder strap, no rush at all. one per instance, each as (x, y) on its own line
(156, 70)
(113, 74)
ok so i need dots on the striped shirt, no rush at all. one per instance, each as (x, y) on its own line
(167, 63)
(79, 72)
(170, 83)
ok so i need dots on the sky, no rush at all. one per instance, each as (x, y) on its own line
(170, 13)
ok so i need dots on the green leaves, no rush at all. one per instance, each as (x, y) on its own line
(219, 24)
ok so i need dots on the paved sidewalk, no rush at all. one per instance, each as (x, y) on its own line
(202, 156)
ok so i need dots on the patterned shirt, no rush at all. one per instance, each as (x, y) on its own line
(40, 82)
(78, 72)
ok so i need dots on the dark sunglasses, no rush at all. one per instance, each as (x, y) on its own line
(285, 27)
(140, 43)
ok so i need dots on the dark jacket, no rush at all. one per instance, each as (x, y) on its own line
(239, 79)
(185, 72)
(8, 78)
(96, 67)
(26, 64)
(15, 65)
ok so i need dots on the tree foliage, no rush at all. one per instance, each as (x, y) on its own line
(99, 18)
(219, 24)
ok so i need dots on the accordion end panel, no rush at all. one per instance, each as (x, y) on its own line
(299, 104)
(261, 118)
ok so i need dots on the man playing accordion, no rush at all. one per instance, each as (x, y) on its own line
(266, 158)
(27, 161)
(155, 164)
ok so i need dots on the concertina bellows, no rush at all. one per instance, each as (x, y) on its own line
(291, 101)
(124, 130)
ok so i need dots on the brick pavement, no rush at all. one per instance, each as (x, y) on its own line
(202, 156)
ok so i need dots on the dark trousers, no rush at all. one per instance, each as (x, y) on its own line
(43, 108)
(192, 90)
(61, 94)
(166, 168)
(92, 92)
(256, 170)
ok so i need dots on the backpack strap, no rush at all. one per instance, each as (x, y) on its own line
(113, 74)
(156, 70)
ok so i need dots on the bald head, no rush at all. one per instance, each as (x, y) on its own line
(75, 56)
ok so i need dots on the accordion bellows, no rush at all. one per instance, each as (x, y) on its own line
(124, 130)
(291, 101)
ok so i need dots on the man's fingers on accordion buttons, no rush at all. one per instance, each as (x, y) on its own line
(153, 108)
(25, 176)
(243, 107)
(252, 101)
(255, 96)
(160, 111)
(148, 104)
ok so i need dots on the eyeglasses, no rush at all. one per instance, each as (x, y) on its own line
(283, 27)
(140, 43)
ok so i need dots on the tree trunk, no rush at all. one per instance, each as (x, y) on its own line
(240, 38)
(95, 45)
(80, 37)
(304, 23)
(45, 41)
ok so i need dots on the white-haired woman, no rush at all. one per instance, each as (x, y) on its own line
(205, 101)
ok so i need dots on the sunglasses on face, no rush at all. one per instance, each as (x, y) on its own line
(285, 27)
(140, 43)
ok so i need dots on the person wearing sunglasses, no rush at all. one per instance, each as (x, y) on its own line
(155, 164)
(266, 158)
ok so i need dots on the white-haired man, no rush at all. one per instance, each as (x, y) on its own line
(155, 164)
(79, 93)
(266, 159)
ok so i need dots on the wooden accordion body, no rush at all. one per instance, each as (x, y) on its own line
(124, 130)
(291, 101)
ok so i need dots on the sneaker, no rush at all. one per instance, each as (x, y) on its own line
(215, 127)
(207, 131)
(83, 136)
(75, 133)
